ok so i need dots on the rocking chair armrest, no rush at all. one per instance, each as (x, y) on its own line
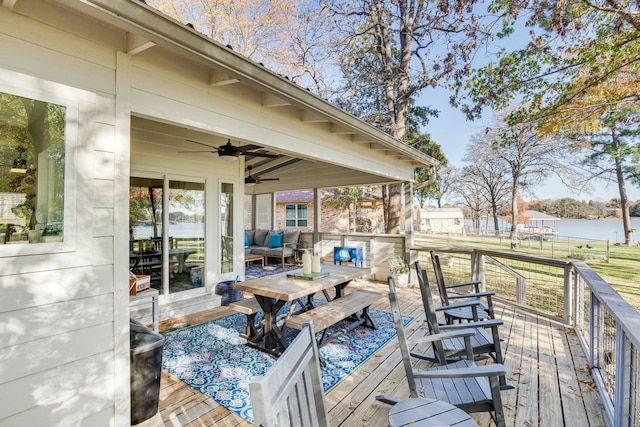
(491, 323)
(473, 283)
(459, 305)
(493, 370)
(461, 332)
(487, 294)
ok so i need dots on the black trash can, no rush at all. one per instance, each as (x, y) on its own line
(146, 370)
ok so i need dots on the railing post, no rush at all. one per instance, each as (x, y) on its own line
(480, 271)
(596, 331)
(622, 392)
(568, 296)
(578, 306)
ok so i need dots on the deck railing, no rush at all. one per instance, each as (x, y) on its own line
(572, 293)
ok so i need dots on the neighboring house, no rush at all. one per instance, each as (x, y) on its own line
(439, 220)
(104, 105)
(295, 209)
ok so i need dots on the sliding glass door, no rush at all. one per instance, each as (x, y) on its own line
(166, 220)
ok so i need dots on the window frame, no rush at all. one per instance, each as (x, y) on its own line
(55, 93)
(296, 218)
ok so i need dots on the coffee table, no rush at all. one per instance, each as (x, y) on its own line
(424, 412)
(253, 257)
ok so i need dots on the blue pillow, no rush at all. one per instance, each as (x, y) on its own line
(275, 240)
(246, 240)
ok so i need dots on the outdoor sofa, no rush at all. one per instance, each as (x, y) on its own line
(272, 243)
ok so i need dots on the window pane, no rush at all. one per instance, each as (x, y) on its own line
(302, 211)
(32, 158)
(226, 228)
(145, 229)
(291, 223)
(186, 235)
(291, 211)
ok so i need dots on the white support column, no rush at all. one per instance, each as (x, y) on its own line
(317, 221)
(408, 228)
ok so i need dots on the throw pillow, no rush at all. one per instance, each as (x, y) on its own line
(275, 240)
(246, 240)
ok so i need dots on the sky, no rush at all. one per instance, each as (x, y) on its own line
(453, 132)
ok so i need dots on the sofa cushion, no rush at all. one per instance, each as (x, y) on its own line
(248, 237)
(261, 250)
(291, 237)
(277, 252)
(275, 239)
(261, 238)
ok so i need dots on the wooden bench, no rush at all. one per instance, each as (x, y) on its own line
(250, 307)
(335, 311)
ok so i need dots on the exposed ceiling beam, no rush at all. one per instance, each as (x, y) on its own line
(269, 100)
(137, 44)
(9, 4)
(220, 78)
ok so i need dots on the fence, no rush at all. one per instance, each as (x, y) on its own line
(570, 292)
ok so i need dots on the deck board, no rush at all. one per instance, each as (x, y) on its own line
(544, 362)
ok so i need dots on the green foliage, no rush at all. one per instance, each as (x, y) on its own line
(397, 265)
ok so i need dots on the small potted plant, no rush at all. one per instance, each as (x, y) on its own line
(399, 270)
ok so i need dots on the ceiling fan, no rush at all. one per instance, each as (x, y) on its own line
(253, 180)
(231, 152)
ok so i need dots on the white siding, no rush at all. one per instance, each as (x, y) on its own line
(57, 316)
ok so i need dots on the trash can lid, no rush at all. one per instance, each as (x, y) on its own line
(143, 339)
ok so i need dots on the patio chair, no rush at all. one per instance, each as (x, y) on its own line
(486, 341)
(463, 384)
(485, 307)
(291, 393)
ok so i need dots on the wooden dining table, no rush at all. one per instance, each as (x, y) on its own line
(274, 291)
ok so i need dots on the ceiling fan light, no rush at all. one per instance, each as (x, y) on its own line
(250, 183)
(227, 156)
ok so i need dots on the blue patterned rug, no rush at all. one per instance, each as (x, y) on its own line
(213, 359)
(253, 271)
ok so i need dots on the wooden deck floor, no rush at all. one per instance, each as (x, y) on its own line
(544, 362)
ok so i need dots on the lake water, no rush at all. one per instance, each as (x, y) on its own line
(596, 229)
(180, 229)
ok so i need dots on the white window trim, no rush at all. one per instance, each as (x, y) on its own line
(23, 85)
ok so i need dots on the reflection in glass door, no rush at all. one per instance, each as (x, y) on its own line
(177, 263)
(145, 229)
(186, 235)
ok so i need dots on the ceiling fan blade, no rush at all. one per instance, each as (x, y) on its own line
(202, 143)
(268, 179)
(196, 151)
(247, 147)
(266, 155)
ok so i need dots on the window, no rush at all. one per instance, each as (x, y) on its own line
(32, 170)
(296, 215)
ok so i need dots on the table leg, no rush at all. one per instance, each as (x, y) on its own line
(270, 333)
(340, 289)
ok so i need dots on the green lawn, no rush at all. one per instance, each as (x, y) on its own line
(622, 271)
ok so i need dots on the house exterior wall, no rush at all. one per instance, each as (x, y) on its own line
(63, 320)
(64, 311)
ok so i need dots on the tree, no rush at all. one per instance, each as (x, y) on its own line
(575, 46)
(347, 198)
(612, 155)
(292, 38)
(467, 188)
(493, 175)
(411, 44)
(529, 157)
